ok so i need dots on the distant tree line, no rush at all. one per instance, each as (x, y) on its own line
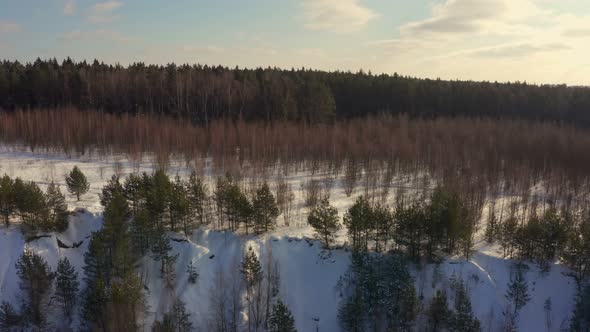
(202, 93)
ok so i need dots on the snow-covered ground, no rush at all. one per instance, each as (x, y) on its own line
(308, 283)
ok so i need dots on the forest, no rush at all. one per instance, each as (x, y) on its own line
(431, 170)
(203, 93)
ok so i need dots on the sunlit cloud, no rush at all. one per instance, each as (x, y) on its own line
(336, 15)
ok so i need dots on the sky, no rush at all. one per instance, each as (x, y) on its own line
(537, 41)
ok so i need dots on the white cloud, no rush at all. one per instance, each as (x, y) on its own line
(500, 40)
(477, 27)
(103, 12)
(461, 18)
(70, 7)
(9, 27)
(336, 15)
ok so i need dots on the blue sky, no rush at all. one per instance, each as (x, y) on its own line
(505, 40)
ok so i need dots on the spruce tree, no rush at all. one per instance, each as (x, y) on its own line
(176, 320)
(281, 319)
(36, 280)
(66, 287)
(193, 275)
(161, 251)
(351, 314)
(126, 303)
(462, 318)
(9, 318)
(7, 199)
(252, 276)
(97, 264)
(517, 293)
(438, 312)
(580, 321)
(265, 209)
(58, 209)
(77, 183)
(94, 306)
(324, 220)
(251, 269)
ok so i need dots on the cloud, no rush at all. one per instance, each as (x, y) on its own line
(103, 12)
(9, 27)
(457, 18)
(69, 7)
(577, 32)
(105, 34)
(336, 15)
(210, 49)
(480, 28)
(518, 50)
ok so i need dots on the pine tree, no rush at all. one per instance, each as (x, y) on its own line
(58, 209)
(576, 253)
(7, 199)
(180, 207)
(135, 191)
(9, 318)
(358, 220)
(438, 312)
(324, 220)
(112, 186)
(77, 183)
(462, 318)
(281, 319)
(383, 227)
(36, 280)
(410, 229)
(31, 206)
(198, 193)
(517, 293)
(158, 199)
(66, 286)
(265, 209)
(491, 231)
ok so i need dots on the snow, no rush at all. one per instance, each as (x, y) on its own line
(308, 278)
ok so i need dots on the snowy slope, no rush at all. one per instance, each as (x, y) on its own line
(308, 282)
